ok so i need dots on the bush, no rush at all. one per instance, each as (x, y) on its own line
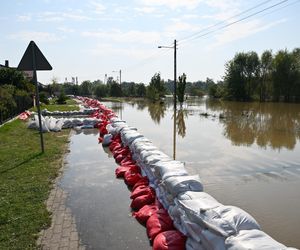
(61, 98)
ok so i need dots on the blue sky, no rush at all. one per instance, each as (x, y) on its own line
(89, 39)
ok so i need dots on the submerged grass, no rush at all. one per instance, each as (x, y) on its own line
(25, 181)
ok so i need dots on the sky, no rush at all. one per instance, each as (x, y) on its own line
(93, 38)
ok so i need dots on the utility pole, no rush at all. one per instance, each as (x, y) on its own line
(175, 75)
(175, 93)
(120, 73)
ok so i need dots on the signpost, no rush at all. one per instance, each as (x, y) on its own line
(33, 60)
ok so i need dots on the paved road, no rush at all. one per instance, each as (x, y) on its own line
(96, 200)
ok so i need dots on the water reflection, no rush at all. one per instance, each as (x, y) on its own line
(267, 124)
(117, 107)
(180, 123)
(157, 111)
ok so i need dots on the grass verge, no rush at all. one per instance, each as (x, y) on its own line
(69, 106)
(25, 181)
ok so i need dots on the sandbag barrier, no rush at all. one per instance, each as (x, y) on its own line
(172, 205)
(57, 124)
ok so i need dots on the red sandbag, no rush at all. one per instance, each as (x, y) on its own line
(145, 212)
(127, 159)
(131, 177)
(141, 190)
(169, 240)
(142, 182)
(142, 200)
(124, 151)
(100, 139)
(115, 146)
(121, 170)
(159, 222)
(119, 157)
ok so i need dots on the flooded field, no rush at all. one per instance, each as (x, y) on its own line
(247, 154)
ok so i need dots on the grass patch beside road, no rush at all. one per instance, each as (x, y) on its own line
(69, 106)
(25, 181)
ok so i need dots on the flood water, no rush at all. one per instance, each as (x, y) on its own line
(99, 202)
(247, 154)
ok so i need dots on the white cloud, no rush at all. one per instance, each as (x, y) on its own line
(110, 50)
(49, 16)
(242, 30)
(146, 10)
(66, 29)
(132, 36)
(98, 7)
(24, 18)
(36, 36)
(224, 9)
(172, 4)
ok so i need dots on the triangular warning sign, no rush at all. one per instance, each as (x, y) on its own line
(33, 59)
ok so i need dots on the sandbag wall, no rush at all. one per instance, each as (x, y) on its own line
(177, 213)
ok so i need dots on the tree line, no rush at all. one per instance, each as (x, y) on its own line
(155, 90)
(268, 77)
(16, 93)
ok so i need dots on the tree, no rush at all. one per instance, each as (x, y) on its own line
(265, 74)
(101, 90)
(116, 90)
(7, 102)
(86, 88)
(141, 90)
(156, 88)
(181, 88)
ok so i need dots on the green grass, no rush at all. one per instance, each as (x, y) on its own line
(25, 182)
(69, 106)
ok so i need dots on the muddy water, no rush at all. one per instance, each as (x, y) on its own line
(247, 154)
(99, 202)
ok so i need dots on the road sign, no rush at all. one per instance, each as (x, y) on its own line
(33, 52)
(33, 60)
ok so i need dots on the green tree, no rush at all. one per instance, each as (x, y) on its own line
(181, 88)
(7, 102)
(141, 90)
(116, 90)
(101, 90)
(156, 88)
(86, 88)
(266, 61)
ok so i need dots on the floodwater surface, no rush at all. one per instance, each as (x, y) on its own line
(99, 202)
(247, 154)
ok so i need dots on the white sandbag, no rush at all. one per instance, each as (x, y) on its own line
(252, 240)
(44, 126)
(165, 169)
(129, 136)
(107, 139)
(193, 245)
(229, 220)
(196, 202)
(67, 123)
(146, 153)
(58, 125)
(52, 123)
(194, 231)
(32, 125)
(178, 184)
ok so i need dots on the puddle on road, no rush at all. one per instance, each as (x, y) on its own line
(99, 202)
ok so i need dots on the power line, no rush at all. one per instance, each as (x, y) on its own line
(234, 22)
(198, 34)
(224, 21)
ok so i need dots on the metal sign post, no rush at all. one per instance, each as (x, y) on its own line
(33, 60)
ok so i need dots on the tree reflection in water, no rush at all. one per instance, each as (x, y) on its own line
(268, 124)
(180, 123)
(157, 111)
